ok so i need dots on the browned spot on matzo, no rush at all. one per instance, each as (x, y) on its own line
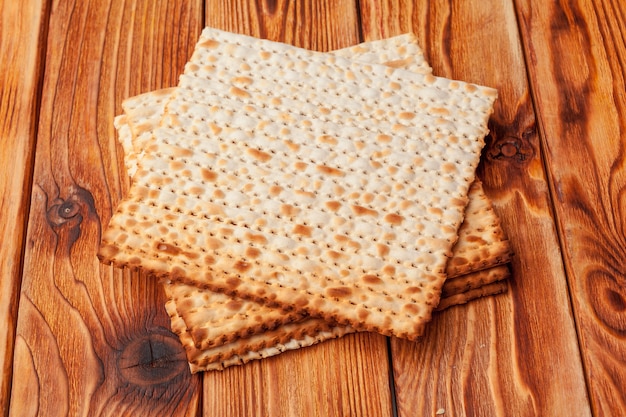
(208, 175)
(333, 205)
(372, 279)
(253, 253)
(330, 170)
(363, 211)
(394, 218)
(327, 139)
(382, 249)
(339, 292)
(300, 229)
(238, 92)
(209, 43)
(275, 190)
(256, 238)
(259, 155)
(242, 80)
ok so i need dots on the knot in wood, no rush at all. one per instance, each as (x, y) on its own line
(67, 210)
(513, 148)
(154, 358)
(607, 297)
(63, 212)
(73, 209)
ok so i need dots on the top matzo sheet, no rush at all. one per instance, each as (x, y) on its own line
(306, 181)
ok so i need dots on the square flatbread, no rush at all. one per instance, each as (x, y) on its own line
(342, 204)
(214, 319)
(207, 310)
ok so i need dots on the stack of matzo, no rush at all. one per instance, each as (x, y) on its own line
(286, 197)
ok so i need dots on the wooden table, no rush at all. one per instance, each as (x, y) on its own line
(80, 338)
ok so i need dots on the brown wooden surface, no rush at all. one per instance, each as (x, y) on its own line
(92, 340)
(20, 71)
(88, 339)
(578, 82)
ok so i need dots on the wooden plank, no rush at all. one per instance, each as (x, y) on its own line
(349, 376)
(22, 25)
(577, 70)
(93, 340)
(322, 25)
(343, 377)
(514, 354)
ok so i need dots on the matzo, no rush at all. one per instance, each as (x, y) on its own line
(212, 318)
(202, 353)
(256, 347)
(493, 288)
(458, 285)
(333, 176)
(482, 242)
(284, 338)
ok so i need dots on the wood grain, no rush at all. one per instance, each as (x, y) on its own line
(20, 72)
(577, 64)
(349, 376)
(342, 377)
(322, 25)
(93, 340)
(490, 357)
